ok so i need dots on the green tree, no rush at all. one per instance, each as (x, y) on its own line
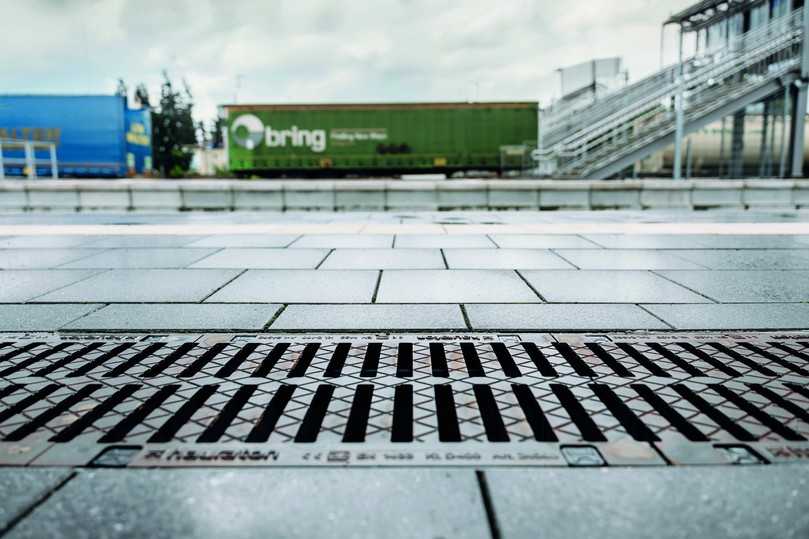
(173, 130)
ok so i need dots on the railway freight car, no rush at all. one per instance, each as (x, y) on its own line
(370, 139)
(95, 135)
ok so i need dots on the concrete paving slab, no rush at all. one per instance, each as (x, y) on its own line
(504, 259)
(22, 488)
(157, 316)
(741, 286)
(453, 286)
(370, 317)
(24, 285)
(561, 317)
(646, 241)
(46, 242)
(41, 258)
(443, 241)
(748, 259)
(144, 286)
(734, 316)
(41, 317)
(142, 258)
(539, 241)
(733, 241)
(262, 503)
(264, 259)
(246, 240)
(145, 241)
(676, 502)
(344, 241)
(594, 286)
(626, 259)
(384, 259)
(299, 286)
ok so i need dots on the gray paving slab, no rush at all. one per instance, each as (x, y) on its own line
(41, 258)
(246, 240)
(41, 317)
(142, 258)
(542, 241)
(626, 259)
(747, 259)
(370, 317)
(299, 286)
(262, 503)
(165, 316)
(443, 241)
(46, 242)
(504, 259)
(264, 259)
(144, 241)
(647, 241)
(22, 488)
(23, 285)
(608, 286)
(144, 286)
(763, 241)
(734, 316)
(344, 241)
(741, 286)
(384, 259)
(453, 286)
(740, 502)
(561, 317)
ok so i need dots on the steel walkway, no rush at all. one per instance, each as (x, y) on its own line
(601, 140)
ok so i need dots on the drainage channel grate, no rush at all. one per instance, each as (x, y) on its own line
(399, 401)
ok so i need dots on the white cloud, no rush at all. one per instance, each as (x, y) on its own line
(321, 50)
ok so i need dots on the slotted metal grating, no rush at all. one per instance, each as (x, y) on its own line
(66, 401)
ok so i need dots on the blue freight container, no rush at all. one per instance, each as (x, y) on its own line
(95, 135)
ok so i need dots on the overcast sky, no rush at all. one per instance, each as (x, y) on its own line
(323, 50)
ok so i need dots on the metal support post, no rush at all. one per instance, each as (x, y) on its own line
(30, 161)
(679, 111)
(54, 167)
(737, 146)
(722, 150)
(782, 170)
(2, 165)
(689, 156)
(765, 119)
(799, 96)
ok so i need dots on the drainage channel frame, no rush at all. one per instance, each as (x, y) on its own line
(745, 370)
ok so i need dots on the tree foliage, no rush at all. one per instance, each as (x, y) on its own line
(142, 97)
(174, 132)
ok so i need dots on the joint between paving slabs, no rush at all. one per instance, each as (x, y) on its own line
(274, 317)
(33, 507)
(529, 285)
(203, 300)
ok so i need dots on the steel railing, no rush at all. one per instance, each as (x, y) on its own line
(29, 162)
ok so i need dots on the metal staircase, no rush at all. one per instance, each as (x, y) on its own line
(601, 140)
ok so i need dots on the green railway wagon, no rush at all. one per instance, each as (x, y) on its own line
(379, 139)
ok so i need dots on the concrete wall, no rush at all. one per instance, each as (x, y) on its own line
(396, 195)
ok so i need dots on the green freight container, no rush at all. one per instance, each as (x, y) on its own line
(369, 139)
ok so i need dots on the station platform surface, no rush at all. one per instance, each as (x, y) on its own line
(566, 271)
(481, 374)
